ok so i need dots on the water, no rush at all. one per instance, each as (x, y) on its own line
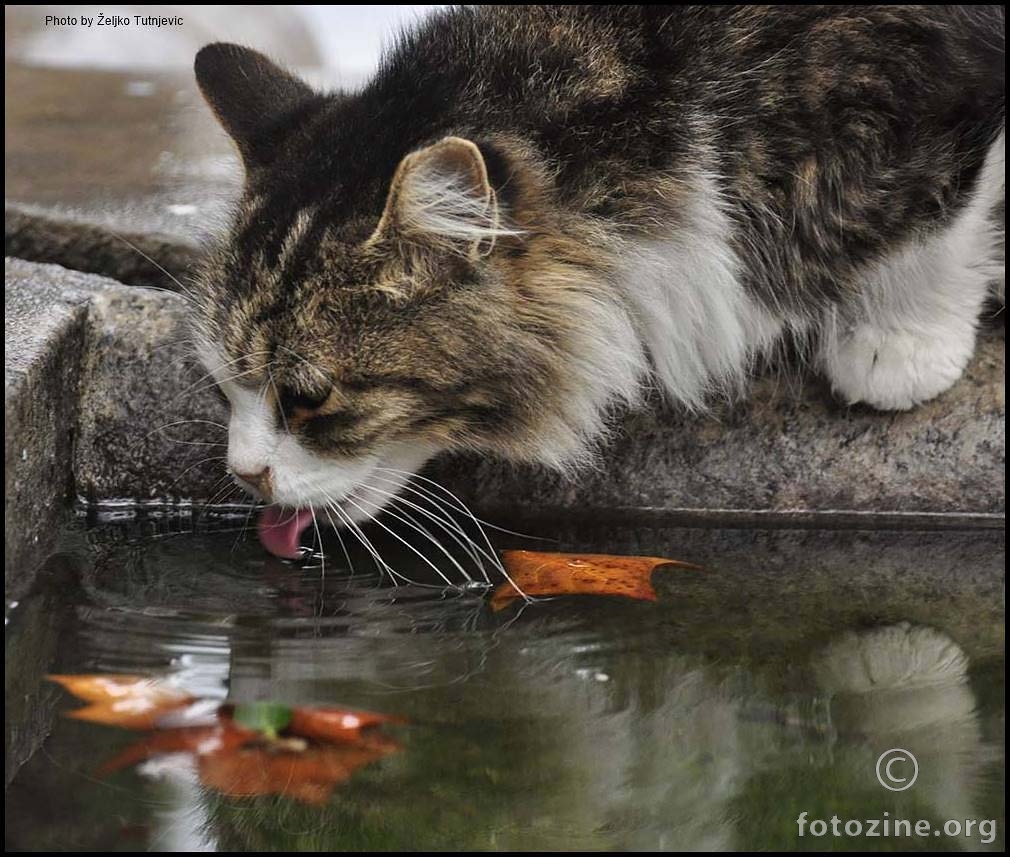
(764, 686)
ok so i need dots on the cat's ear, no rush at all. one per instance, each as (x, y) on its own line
(249, 94)
(440, 196)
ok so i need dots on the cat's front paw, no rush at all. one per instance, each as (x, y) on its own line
(894, 370)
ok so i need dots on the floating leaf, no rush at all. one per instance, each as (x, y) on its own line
(267, 717)
(308, 776)
(127, 701)
(336, 724)
(545, 574)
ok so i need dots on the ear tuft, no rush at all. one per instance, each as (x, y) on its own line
(249, 94)
(442, 195)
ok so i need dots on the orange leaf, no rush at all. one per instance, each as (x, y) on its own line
(308, 776)
(109, 688)
(341, 725)
(536, 573)
(231, 758)
(127, 701)
(223, 737)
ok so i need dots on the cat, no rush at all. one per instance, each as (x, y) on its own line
(532, 214)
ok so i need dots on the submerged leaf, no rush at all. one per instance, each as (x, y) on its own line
(544, 574)
(308, 776)
(127, 701)
(224, 737)
(112, 687)
(241, 750)
(337, 724)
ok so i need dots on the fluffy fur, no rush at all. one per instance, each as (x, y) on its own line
(911, 331)
(532, 213)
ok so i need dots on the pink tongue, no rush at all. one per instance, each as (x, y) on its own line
(281, 528)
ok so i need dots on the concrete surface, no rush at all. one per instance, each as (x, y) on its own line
(94, 371)
(160, 261)
(135, 153)
(44, 344)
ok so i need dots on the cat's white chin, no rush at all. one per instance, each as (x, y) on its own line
(325, 496)
(344, 490)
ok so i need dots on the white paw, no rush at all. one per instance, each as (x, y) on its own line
(895, 657)
(900, 683)
(894, 370)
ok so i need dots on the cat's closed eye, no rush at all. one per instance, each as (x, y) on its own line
(293, 401)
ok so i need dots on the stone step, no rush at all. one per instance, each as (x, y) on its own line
(102, 391)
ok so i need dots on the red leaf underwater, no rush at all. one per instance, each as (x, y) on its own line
(245, 750)
(308, 775)
(223, 737)
(337, 725)
(127, 701)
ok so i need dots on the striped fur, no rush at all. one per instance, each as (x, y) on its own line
(532, 214)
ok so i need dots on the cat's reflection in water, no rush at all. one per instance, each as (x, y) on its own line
(664, 756)
(611, 748)
(905, 687)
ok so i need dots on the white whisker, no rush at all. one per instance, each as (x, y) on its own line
(244, 529)
(210, 374)
(221, 426)
(184, 293)
(197, 464)
(380, 563)
(463, 539)
(466, 543)
(426, 533)
(467, 511)
(402, 540)
(459, 504)
(222, 494)
(340, 538)
(322, 559)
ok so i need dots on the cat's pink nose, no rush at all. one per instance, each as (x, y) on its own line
(261, 481)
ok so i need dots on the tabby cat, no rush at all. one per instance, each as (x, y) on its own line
(531, 213)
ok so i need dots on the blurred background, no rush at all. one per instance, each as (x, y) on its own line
(104, 125)
(341, 41)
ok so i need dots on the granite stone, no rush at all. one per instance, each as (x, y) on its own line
(44, 342)
(149, 428)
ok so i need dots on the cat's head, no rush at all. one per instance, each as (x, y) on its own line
(384, 295)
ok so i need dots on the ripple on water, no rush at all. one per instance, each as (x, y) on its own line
(585, 723)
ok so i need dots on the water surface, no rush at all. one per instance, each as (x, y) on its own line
(762, 687)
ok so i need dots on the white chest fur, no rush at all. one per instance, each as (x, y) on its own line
(701, 328)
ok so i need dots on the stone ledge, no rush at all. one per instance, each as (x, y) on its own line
(790, 449)
(110, 365)
(44, 345)
(136, 259)
(94, 370)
